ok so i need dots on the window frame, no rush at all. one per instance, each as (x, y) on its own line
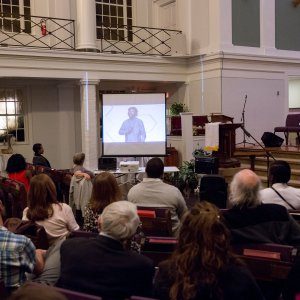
(127, 21)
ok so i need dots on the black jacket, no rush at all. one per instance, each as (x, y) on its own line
(266, 223)
(101, 266)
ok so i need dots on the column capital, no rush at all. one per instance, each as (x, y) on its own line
(89, 81)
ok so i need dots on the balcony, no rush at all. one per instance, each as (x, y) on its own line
(59, 34)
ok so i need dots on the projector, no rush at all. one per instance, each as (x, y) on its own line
(129, 166)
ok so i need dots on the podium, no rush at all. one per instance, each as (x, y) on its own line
(227, 146)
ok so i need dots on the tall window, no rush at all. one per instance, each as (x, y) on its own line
(12, 114)
(114, 20)
(10, 19)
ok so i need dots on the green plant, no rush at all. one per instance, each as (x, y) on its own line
(201, 153)
(176, 108)
(186, 178)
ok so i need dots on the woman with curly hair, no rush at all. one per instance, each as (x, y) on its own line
(44, 209)
(202, 266)
(105, 191)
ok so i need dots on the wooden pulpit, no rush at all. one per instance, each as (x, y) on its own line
(225, 154)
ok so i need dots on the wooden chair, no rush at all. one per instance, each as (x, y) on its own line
(156, 221)
(158, 248)
(199, 124)
(14, 197)
(292, 124)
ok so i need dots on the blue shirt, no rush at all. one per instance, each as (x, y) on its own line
(134, 130)
(17, 256)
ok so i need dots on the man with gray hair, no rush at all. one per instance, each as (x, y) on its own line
(251, 221)
(101, 266)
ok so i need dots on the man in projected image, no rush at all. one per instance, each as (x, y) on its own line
(133, 128)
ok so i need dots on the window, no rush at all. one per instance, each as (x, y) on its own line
(15, 16)
(114, 20)
(12, 114)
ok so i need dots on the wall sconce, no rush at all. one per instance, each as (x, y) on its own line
(296, 2)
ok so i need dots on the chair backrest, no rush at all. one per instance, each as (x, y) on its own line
(14, 197)
(157, 222)
(213, 188)
(200, 120)
(292, 120)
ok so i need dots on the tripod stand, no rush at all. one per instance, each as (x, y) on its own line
(244, 142)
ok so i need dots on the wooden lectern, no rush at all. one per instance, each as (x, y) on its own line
(226, 141)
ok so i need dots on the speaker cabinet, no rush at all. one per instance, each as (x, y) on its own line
(206, 165)
(271, 140)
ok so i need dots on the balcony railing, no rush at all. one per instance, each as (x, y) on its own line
(136, 40)
(59, 34)
(36, 31)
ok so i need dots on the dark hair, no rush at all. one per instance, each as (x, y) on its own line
(16, 163)
(41, 196)
(203, 251)
(155, 168)
(280, 172)
(36, 148)
(105, 191)
(134, 108)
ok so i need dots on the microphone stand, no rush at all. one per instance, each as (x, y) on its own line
(268, 153)
(244, 142)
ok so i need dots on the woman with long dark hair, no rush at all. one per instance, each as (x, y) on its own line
(105, 191)
(44, 209)
(202, 266)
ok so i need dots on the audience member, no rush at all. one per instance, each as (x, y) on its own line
(78, 160)
(105, 191)
(44, 209)
(16, 170)
(152, 191)
(251, 221)
(17, 257)
(100, 265)
(31, 291)
(38, 158)
(202, 266)
(280, 192)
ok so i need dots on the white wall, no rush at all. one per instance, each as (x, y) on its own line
(294, 93)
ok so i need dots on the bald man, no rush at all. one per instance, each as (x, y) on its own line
(250, 221)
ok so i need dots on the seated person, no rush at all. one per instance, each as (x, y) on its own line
(16, 170)
(101, 266)
(202, 265)
(44, 209)
(17, 257)
(152, 191)
(105, 191)
(250, 221)
(280, 192)
(78, 160)
(38, 158)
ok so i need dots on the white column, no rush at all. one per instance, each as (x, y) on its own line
(187, 135)
(86, 25)
(90, 122)
(267, 25)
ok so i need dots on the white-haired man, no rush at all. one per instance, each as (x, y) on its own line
(101, 266)
(250, 221)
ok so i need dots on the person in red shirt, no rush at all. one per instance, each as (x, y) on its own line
(16, 170)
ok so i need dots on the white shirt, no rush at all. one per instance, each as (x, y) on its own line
(154, 192)
(59, 224)
(290, 194)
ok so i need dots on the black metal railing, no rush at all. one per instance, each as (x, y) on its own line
(37, 31)
(136, 40)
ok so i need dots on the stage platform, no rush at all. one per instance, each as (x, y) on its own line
(291, 154)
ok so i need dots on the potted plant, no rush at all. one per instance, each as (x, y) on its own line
(176, 108)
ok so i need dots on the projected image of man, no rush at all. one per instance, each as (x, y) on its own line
(133, 128)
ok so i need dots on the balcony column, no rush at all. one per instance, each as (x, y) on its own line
(86, 25)
(90, 127)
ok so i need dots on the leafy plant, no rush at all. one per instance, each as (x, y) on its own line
(200, 152)
(176, 108)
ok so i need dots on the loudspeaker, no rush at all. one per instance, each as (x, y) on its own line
(107, 163)
(271, 140)
(206, 165)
